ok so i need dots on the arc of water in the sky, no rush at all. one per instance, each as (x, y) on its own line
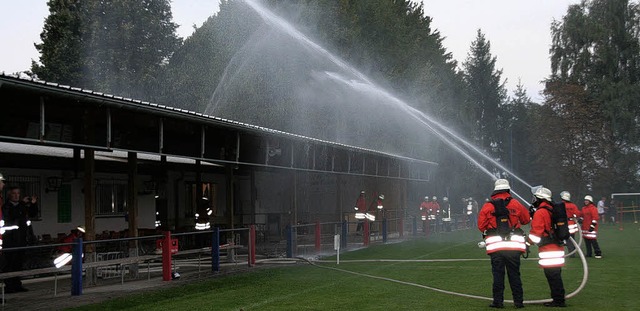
(273, 19)
(354, 84)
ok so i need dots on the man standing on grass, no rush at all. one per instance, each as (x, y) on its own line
(550, 250)
(590, 227)
(499, 221)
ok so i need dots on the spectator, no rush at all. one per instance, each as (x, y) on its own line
(16, 214)
(611, 212)
(602, 209)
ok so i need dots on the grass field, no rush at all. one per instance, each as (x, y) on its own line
(614, 281)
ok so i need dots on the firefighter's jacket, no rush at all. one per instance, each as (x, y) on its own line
(360, 207)
(432, 209)
(487, 224)
(551, 253)
(424, 207)
(1, 220)
(573, 213)
(590, 217)
(15, 217)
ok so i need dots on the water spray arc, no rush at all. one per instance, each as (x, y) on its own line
(361, 82)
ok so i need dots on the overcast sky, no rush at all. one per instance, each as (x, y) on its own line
(517, 29)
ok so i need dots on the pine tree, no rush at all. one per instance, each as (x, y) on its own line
(486, 95)
(112, 46)
(60, 59)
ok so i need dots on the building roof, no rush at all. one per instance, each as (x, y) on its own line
(114, 100)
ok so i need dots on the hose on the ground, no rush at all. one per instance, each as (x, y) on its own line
(314, 263)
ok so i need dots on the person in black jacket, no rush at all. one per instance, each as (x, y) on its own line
(16, 214)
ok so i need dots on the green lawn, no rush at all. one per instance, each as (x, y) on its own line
(613, 281)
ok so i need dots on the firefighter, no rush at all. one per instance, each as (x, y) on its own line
(573, 214)
(590, 227)
(361, 209)
(446, 214)
(1, 202)
(550, 251)
(434, 213)
(203, 215)
(471, 210)
(380, 205)
(424, 207)
(499, 221)
(70, 238)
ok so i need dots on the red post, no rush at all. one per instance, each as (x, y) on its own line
(366, 234)
(318, 243)
(401, 226)
(166, 256)
(252, 249)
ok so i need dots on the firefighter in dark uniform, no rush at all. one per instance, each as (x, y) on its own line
(550, 251)
(16, 215)
(499, 220)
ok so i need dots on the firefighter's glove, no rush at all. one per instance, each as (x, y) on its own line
(532, 210)
(580, 220)
(591, 228)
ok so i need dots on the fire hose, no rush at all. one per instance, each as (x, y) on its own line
(585, 275)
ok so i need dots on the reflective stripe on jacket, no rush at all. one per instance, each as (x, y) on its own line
(518, 215)
(590, 216)
(551, 254)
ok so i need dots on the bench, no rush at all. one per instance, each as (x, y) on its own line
(67, 268)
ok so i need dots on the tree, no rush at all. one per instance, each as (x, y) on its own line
(114, 46)
(596, 47)
(518, 117)
(60, 59)
(486, 96)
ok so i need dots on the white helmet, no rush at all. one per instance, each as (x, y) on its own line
(543, 193)
(362, 192)
(434, 198)
(1, 177)
(501, 184)
(565, 195)
(381, 197)
(426, 198)
(588, 198)
(445, 199)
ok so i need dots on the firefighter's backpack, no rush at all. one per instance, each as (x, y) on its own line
(559, 222)
(502, 216)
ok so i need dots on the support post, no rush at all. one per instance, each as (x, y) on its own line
(366, 234)
(132, 204)
(318, 235)
(215, 250)
(76, 269)
(252, 242)
(289, 241)
(384, 230)
(414, 227)
(343, 236)
(166, 256)
(401, 226)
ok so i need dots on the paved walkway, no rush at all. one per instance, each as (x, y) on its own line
(41, 291)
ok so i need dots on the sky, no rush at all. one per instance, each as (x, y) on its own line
(518, 30)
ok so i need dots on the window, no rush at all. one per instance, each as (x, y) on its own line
(111, 197)
(64, 204)
(29, 186)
